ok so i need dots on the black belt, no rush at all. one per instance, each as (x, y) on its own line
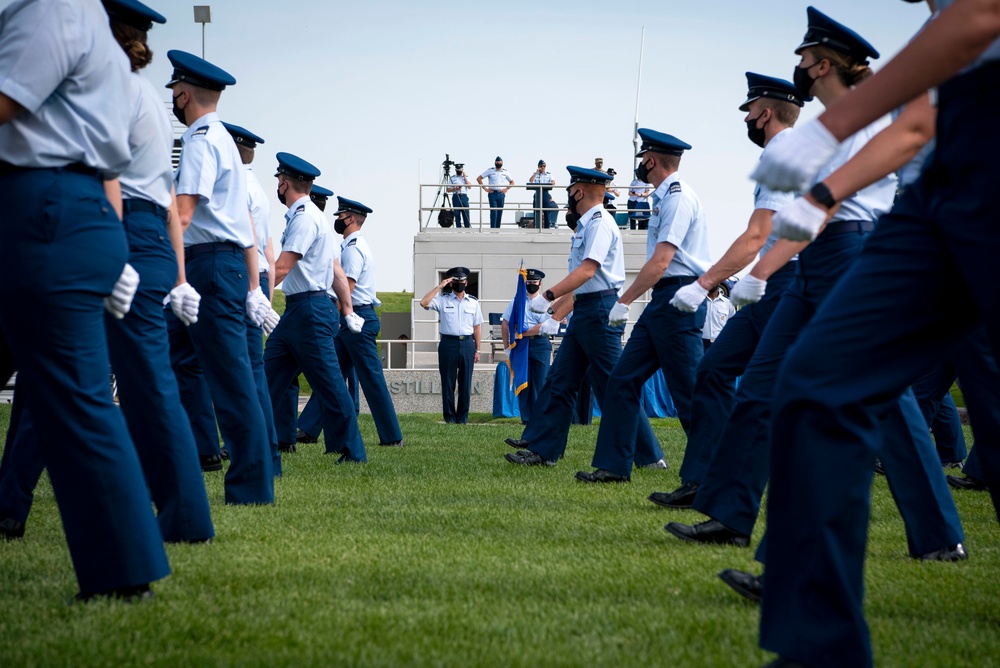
(75, 168)
(587, 296)
(216, 247)
(452, 337)
(846, 226)
(357, 306)
(136, 205)
(536, 336)
(674, 280)
(311, 294)
(264, 272)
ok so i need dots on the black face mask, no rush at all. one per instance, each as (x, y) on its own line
(320, 204)
(339, 226)
(178, 112)
(642, 172)
(571, 220)
(531, 288)
(571, 206)
(802, 81)
(498, 165)
(281, 197)
(458, 287)
(756, 134)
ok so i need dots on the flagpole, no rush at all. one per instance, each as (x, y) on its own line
(635, 127)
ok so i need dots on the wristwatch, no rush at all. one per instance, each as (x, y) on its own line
(823, 195)
(548, 295)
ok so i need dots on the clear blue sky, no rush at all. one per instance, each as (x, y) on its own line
(370, 90)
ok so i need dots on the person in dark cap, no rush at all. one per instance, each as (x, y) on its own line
(539, 345)
(303, 341)
(221, 262)
(590, 346)
(459, 190)
(65, 83)
(357, 352)
(772, 106)
(498, 183)
(458, 351)
(542, 197)
(663, 337)
(320, 196)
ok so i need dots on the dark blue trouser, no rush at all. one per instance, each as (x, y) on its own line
(460, 203)
(303, 342)
(946, 426)
(664, 338)
(456, 361)
(539, 360)
(196, 397)
(638, 215)
(590, 347)
(255, 350)
(548, 216)
(913, 293)
(715, 379)
(63, 248)
(219, 273)
(496, 202)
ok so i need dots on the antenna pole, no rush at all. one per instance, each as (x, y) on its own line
(635, 127)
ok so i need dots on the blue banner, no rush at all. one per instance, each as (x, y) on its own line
(517, 356)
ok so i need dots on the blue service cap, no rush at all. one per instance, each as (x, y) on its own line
(296, 167)
(243, 136)
(345, 205)
(585, 175)
(759, 86)
(133, 13)
(661, 142)
(824, 31)
(191, 69)
(458, 273)
(535, 275)
(320, 192)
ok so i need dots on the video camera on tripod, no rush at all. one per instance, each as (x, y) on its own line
(446, 216)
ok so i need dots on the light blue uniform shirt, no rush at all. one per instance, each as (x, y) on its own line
(458, 316)
(307, 233)
(211, 169)
(260, 213)
(358, 264)
(150, 175)
(774, 200)
(460, 183)
(59, 61)
(531, 318)
(597, 238)
(495, 177)
(678, 218)
(872, 201)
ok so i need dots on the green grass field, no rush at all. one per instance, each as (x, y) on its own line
(442, 554)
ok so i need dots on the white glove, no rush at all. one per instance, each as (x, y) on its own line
(539, 304)
(270, 321)
(257, 306)
(794, 163)
(618, 314)
(799, 221)
(549, 327)
(119, 301)
(689, 297)
(354, 322)
(184, 302)
(748, 291)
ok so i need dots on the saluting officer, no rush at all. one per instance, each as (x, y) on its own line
(539, 346)
(458, 351)
(58, 57)
(596, 275)
(221, 262)
(303, 340)
(664, 337)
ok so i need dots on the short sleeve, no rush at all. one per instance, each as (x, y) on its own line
(435, 304)
(299, 236)
(352, 262)
(479, 315)
(765, 198)
(198, 169)
(676, 216)
(507, 311)
(597, 239)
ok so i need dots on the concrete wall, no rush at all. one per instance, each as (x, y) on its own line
(419, 391)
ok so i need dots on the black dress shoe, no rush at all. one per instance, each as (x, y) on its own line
(224, 453)
(518, 443)
(302, 437)
(682, 497)
(953, 553)
(126, 594)
(527, 458)
(600, 475)
(394, 444)
(712, 531)
(286, 447)
(953, 466)
(966, 482)
(745, 584)
(211, 462)
(11, 529)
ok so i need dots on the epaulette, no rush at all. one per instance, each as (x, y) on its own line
(597, 214)
(675, 187)
(300, 208)
(352, 242)
(203, 130)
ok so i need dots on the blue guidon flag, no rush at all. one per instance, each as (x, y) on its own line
(517, 357)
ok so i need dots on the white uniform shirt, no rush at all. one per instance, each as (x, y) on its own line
(460, 180)
(458, 316)
(543, 178)
(260, 212)
(720, 310)
(59, 61)
(636, 190)
(597, 238)
(872, 201)
(497, 177)
(211, 169)
(774, 200)
(150, 175)
(677, 218)
(359, 265)
(309, 235)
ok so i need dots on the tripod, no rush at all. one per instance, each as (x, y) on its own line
(446, 216)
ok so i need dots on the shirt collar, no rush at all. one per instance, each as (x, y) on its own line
(661, 191)
(295, 205)
(210, 117)
(350, 236)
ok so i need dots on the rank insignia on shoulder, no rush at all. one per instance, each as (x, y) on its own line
(352, 242)
(675, 187)
(300, 208)
(597, 214)
(203, 130)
